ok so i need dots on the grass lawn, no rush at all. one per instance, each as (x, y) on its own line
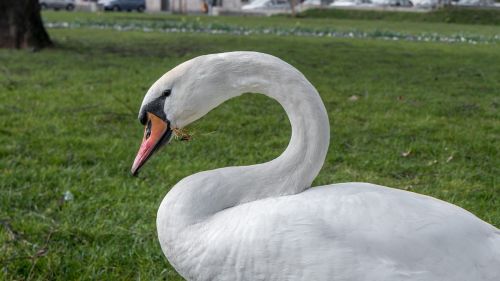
(69, 123)
(282, 23)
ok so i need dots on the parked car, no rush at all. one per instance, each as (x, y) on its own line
(267, 4)
(393, 3)
(316, 3)
(345, 3)
(122, 5)
(57, 4)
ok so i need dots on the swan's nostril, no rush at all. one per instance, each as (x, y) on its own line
(148, 129)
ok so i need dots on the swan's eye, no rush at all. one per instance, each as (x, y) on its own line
(148, 129)
(166, 93)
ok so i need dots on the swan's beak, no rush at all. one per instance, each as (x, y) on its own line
(156, 133)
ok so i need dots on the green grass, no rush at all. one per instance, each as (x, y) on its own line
(413, 28)
(69, 124)
(445, 15)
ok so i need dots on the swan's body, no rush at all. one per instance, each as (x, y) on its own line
(350, 231)
(261, 222)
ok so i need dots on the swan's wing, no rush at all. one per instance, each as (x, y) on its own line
(351, 231)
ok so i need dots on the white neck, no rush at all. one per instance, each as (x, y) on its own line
(199, 196)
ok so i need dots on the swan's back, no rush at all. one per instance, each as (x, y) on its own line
(352, 231)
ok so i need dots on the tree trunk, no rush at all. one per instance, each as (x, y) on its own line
(21, 25)
(292, 7)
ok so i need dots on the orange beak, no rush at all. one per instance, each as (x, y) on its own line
(156, 133)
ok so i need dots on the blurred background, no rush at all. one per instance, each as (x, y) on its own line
(260, 7)
(411, 87)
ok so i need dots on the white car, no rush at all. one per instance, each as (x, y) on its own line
(472, 3)
(345, 3)
(315, 3)
(267, 4)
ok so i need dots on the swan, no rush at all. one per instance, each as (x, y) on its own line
(264, 222)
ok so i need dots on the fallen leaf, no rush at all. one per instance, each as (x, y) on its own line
(406, 153)
(42, 252)
(354, 98)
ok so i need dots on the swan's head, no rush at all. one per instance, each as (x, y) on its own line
(178, 98)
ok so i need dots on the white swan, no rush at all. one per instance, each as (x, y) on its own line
(263, 222)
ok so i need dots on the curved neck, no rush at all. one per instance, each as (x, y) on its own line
(201, 195)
